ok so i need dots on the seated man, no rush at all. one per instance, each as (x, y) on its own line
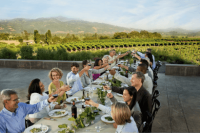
(142, 61)
(105, 59)
(143, 96)
(143, 56)
(12, 116)
(147, 84)
(73, 78)
(112, 58)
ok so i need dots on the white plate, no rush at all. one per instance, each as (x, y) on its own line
(52, 113)
(104, 120)
(45, 128)
(70, 98)
(119, 94)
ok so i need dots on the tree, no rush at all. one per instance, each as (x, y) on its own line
(36, 36)
(20, 40)
(48, 37)
(26, 35)
(56, 40)
(4, 36)
(134, 34)
(120, 35)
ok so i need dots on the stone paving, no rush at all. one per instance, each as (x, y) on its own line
(180, 101)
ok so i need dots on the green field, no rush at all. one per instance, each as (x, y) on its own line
(186, 50)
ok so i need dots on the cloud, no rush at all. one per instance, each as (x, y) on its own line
(140, 14)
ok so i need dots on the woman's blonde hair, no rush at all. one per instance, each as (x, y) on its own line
(58, 71)
(121, 113)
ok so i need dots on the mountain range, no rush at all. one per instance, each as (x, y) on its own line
(67, 25)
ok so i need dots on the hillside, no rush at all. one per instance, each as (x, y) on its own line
(57, 25)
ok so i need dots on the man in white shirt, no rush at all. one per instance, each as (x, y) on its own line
(147, 84)
(73, 78)
(143, 56)
(112, 57)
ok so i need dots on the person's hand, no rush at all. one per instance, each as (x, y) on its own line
(106, 87)
(106, 67)
(120, 65)
(66, 87)
(90, 102)
(109, 95)
(112, 71)
(114, 125)
(52, 99)
(86, 68)
(64, 106)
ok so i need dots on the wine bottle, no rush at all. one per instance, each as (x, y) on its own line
(83, 97)
(126, 74)
(74, 110)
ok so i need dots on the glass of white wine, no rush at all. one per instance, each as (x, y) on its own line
(109, 91)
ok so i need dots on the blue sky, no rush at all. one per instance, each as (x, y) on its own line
(140, 14)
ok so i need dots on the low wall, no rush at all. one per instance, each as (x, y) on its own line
(37, 64)
(182, 70)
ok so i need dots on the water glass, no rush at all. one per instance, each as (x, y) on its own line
(86, 123)
(98, 128)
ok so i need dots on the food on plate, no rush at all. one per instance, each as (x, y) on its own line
(35, 130)
(59, 112)
(66, 129)
(109, 118)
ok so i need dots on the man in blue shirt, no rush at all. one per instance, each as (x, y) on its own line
(73, 78)
(12, 116)
(143, 56)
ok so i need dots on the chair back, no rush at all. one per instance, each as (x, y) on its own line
(156, 93)
(154, 87)
(147, 126)
(47, 92)
(156, 107)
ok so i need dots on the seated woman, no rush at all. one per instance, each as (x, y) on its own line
(98, 65)
(55, 75)
(121, 114)
(87, 75)
(129, 96)
(36, 94)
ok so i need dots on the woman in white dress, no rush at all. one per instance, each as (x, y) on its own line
(36, 94)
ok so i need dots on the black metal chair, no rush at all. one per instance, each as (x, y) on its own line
(154, 87)
(28, 123)
(47, 92)
(151, 116)
(156, 107)
(156, 93)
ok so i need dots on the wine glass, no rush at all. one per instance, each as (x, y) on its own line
(109, 91)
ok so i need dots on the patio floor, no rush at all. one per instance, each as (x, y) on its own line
(180, 101)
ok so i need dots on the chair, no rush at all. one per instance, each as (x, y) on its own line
(151, 116)
(47, 92)
(154, 87)
(156, 93)
(28, 123)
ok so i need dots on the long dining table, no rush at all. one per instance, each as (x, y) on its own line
(105, 127)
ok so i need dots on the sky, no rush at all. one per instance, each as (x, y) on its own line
(138, 14)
